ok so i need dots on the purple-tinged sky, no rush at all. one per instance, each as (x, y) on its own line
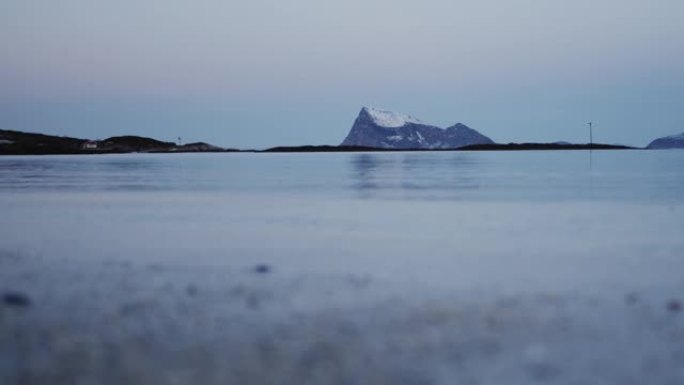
(253, 74)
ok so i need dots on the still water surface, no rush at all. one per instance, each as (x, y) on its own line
(505, 220)
(656, 176)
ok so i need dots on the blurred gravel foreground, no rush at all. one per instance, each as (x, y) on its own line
(63, 322)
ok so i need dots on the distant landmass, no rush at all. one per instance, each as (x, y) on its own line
(23, 143)
(672, 141)
(544, 146)
(389, 130)
(324, 148)
(474, 147)
(374, 130)
(20, 143)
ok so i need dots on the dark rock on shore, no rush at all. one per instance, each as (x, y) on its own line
(674, 306)
(262, 269)
(16, 299)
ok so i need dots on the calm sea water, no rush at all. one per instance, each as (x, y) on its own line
(478, 219)
(654, 176)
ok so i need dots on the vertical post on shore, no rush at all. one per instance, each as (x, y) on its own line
(591, 145)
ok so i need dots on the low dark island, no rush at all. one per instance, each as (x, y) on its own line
(543, 146)
(25, 143)
(474, 147)
(326, 148)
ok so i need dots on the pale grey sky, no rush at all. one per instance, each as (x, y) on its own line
(266, 72)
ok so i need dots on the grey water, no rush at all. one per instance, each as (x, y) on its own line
(654, 176)
(540, 219)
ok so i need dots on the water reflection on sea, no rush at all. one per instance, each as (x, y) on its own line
(476, 219)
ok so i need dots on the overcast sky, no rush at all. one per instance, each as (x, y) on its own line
(257, 73)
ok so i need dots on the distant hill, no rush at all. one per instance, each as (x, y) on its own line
(672, 141)
(385, 129)
(25, 143)
(476, 147)
(543, 146)
(324, 148)
(132, 143)
(17, 142)
(203, 147)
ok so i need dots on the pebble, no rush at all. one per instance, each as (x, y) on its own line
(674, 306)
(191, 290)
(262, 269)
(631, 298)
(16, 299)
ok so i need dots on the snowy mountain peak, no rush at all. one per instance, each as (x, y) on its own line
(459, 126)
(379, 128)
(389, 119)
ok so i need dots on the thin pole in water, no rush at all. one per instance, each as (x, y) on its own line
(591, 134)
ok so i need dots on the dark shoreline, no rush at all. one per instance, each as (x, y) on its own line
(332, 149)
(23, 143)
(479, 147)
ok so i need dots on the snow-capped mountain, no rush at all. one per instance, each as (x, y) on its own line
(385, 129)
(672, 141)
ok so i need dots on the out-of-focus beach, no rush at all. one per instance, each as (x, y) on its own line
(135, 323)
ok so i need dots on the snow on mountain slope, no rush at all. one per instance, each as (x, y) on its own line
(389, 119)
(379, 128)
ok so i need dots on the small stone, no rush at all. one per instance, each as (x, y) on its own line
(262, 269)
(674, 306)
(543, 372)
(191, 290)
(252, 301)
(631, 298)
(16, 299)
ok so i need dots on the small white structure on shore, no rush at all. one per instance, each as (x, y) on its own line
(89, 145)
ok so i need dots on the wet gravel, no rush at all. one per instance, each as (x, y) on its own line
(110, 323)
